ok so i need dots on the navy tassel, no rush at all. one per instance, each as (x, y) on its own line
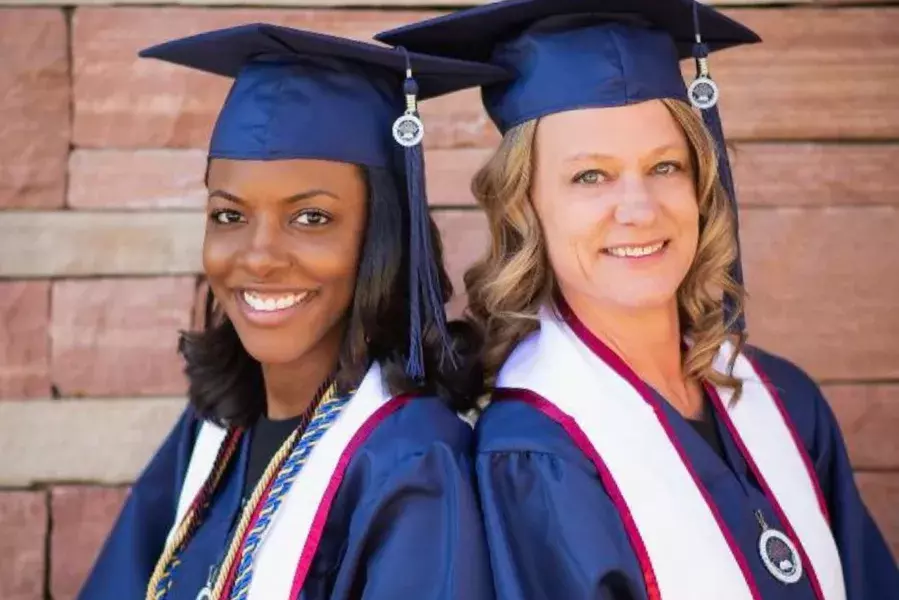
(426, 305)
(704, 95)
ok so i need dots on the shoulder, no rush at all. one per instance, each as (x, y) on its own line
(420, 425)
(520, 425)
(800, 396)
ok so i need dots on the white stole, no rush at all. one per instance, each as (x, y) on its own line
(683, 546)
(284, 557)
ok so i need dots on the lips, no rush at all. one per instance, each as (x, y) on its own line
(271, 308)
(269, 302)
(636, 250)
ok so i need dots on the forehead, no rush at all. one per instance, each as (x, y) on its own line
(615, 131)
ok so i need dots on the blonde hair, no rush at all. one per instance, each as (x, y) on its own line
(507, 287)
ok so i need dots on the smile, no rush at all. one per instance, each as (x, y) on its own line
(272, 302)
(636, 251)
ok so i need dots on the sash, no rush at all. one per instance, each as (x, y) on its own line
(669, 517)
(286, 553)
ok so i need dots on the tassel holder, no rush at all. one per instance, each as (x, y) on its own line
(408, 129)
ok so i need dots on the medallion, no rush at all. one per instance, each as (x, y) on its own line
(779, 554)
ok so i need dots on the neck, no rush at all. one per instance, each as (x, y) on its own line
(649, 341)
(290, 388)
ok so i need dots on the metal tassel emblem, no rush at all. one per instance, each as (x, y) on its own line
(409, 130)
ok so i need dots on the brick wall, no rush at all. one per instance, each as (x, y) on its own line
(101, 163)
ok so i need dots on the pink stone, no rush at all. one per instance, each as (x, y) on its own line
(24, 339)
(82, 518)
(114, 337)
(34, 107)
(23, 533)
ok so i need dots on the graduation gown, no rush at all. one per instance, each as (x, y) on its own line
(403, 524)
(553, 531)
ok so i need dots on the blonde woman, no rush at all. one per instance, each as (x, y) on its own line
(635, 447)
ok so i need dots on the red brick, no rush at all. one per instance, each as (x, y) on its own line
(869, 419)
(449, 174)
(823, 286)
(82, 518)
(23, 532)
(24, 339)
(34, 107)
(465, 239)
(809, 174)
(881, 494)
(114, 179)
(124, 102)
(119, 336)
(819, 73)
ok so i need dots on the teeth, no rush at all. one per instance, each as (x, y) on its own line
(272, 303)
(635, 251)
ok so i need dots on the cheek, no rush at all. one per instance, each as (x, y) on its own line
(332, 258)
(572, 225)
(685, 212)
(218, 255)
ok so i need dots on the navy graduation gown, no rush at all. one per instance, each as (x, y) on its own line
(404, 524)
(553, 532)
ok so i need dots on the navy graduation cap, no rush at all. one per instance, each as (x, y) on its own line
(574, 54)
(300, 94)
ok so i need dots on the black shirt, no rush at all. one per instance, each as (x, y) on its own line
(265, 440)
(707, 427)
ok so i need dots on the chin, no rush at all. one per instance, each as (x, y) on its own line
(273, 355)
(275, 348)
(640, 297)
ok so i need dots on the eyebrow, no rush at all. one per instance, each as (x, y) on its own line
(289, 200)
(582, 156)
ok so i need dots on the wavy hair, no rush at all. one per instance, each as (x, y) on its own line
(225, 382)
(507, 287)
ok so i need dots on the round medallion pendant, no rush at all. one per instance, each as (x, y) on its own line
(780, 556)
(703, 93)
(408, 131)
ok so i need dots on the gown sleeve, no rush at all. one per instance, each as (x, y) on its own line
(552, 531)
(418, 534)
(128, 557)
(869, 568)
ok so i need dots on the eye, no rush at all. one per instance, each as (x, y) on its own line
(313, 218)
(667, 168)
(590, 177)
(225, 217)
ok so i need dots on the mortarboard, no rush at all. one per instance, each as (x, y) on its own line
(300, 94)
(574, 54)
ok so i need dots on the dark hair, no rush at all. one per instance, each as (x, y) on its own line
(225, 382)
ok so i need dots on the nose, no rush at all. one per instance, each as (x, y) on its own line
(265, 252)
(636, 206)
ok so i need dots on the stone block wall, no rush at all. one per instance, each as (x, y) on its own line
(101, 166)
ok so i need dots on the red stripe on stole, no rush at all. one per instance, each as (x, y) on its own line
(581, 440)
(324, 507)
(778, 509)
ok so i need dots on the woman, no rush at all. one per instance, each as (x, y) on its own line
(635, 447)
(320, 456)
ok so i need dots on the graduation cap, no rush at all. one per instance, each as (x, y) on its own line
(299, 94)
(575, 54)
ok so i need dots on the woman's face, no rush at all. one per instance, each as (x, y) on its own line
(614, 192)
(281, 251)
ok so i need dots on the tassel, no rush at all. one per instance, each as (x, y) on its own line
(703, 93)
(425, 292)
